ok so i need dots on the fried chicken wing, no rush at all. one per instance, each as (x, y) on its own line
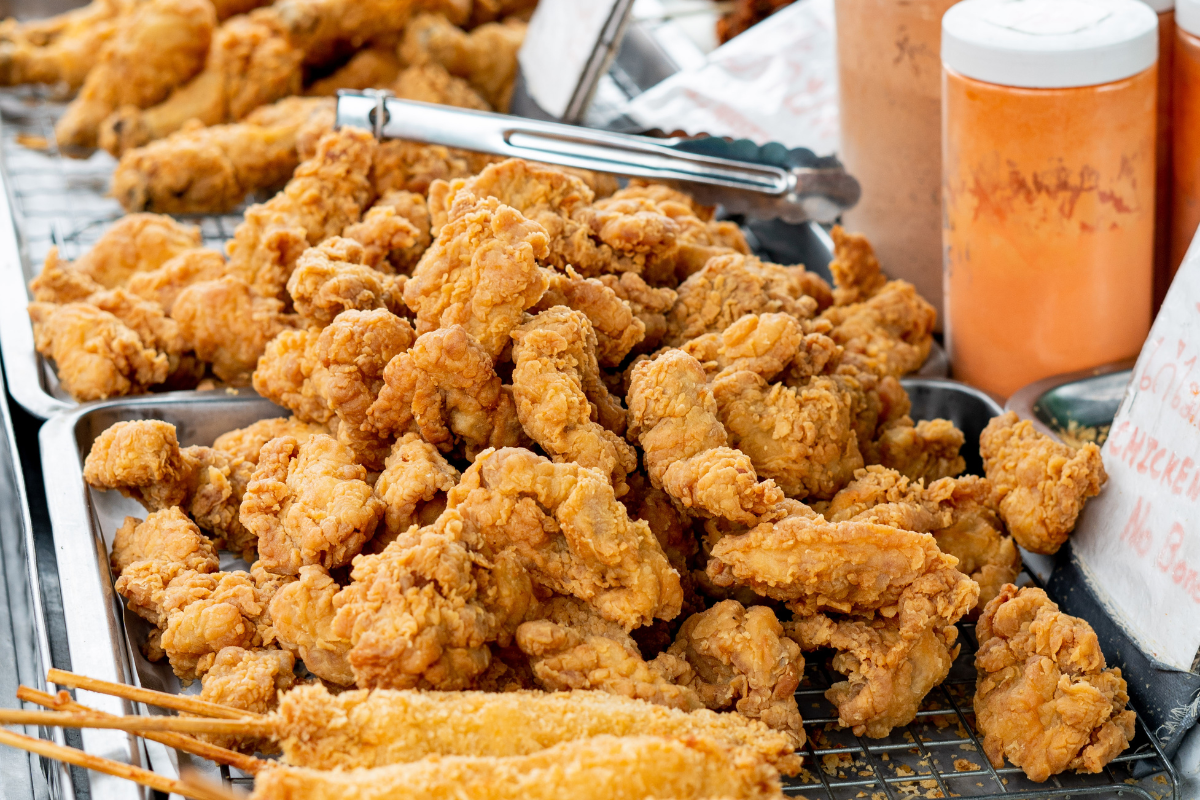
(673, 416)
(61, 49)
(1042, 484)
(431, 83)
(372, 68)
(309, 504)
(413, 487)
(481, 272)
(1044, 698)
(245, 443)
(562, 402)
(161, 44)
(248, 680)
(486, 57)
(331, 278)
(564, 525)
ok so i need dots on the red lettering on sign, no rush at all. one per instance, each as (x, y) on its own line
(1182, 574)
(1136, 534)
(1177, 485)
(1151, 448)
(1134, 447)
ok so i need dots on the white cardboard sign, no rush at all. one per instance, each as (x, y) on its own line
(1140, 539)
(558, 44)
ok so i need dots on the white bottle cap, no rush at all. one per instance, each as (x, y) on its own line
(1160, 6)
(1187, 16)
(1049, 44)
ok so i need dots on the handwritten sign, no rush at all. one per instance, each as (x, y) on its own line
(560, 42)
(1140, 539)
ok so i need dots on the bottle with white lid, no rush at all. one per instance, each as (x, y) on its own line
(1048, 114)
(1164, 269)
(1185, 138)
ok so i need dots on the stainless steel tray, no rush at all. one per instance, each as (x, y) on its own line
(938, 751)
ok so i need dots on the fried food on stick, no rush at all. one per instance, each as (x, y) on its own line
(61, 49)
(1044, 698)
(563, 523)
(562, 402)
(161, 44)
(673, 415)
(1042, 484)
(309, 504)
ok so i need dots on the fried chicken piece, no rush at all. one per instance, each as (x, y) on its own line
(372, 68)
(672, 529)
(327, 192)
(164, 285)
(562, 402)
(135, 243)
(765, 344)
(321, 28)
(331, 278)
(649, 304)
(520, 723)
(483, 11)
(95, 355)
(402, 165)
(856, 273)
(741, 659)
(248, 680)
(154, 49)
(228, 325)
(412, 487)
(288, 375)
(431, 83)
(890, 333)
(446, 388)
(617, 329)
(673, 416)
(394, 232)
(250, 63)
(302, 613)
(1042, 484)
(309, 504)
(565, 526)
(210, 170)
(1044, 698)
(609, 767)
(245, 443)
(481, 272)
(59, 282)
(928, 450)
(486, 57)
(729, 287)
(60, 49)
(147, 555)
(570, 648)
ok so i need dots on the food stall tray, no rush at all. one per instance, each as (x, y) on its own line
(938, 755)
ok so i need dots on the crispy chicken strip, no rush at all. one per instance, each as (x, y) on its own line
(413, 487)
(1042, 484)
(248, 680)
(673, 416)
(210, 170)
(328, 192)
(609, 767)
(246, 443)
(250, 63)
(1044, 698)
(617, 328)
(331, 278)
(288, 375)
(359, 729)
(446, 388)
(309, 504)
(559, 395)
(740, 659)
(486, 57)
(481, 272)
(565, 526)
(61, 49)
(154, 49)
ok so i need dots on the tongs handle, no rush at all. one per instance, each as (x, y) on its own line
(758, 189)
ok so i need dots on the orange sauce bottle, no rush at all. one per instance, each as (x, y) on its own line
(1049, 128)
(1185, 173)
(1164, 268)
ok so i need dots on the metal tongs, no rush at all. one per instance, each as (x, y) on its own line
(759, 190)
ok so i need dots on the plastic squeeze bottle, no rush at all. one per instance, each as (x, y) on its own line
(1164, 268)
(1185, 139)
(889, 97)
(1049, 127)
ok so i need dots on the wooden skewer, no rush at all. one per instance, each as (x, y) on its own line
(178, 702)
(192, 778)
(221, 755)
(132, 724)
(109, 767)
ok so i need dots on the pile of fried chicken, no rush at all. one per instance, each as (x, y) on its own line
(548, 434)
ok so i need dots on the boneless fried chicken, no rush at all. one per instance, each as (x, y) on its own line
(413, 487)
(245, 443)
(1044, 699)
(1042, 484)
(248, 680)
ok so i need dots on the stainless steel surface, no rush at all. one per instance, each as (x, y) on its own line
(599, 62)
(84, 523)
(24, 642)
(757, 190)
(1025, 400)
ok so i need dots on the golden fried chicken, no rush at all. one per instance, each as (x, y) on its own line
(327, 192)
(563, 523)
(486, 57)
(928, 450)
(401, 165)
(856, 273)
(248, 680)
(648, 304)
(59, 282)
(302, 613)
(164, 284)
(372, 68)
(250, 63)
(394, 232)
(481, 272)
(731, 286)
(95, 354)
(288, 375)
(321, 28)
(1044, 698)
(673, 416)
(147, 555)
(765, 344)
(740, 658)
(518, 723)
(413, 487)
(890, 333)
(60, 49)
(617, 329)
(672, 528)
(309, 504)
(561, 401)
(446, 388)
(245, 443)
(570, 648)
(608, 767)
(1042, 484)
(431, 83)
(210, 170)
(161, 44)
(331, 278)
